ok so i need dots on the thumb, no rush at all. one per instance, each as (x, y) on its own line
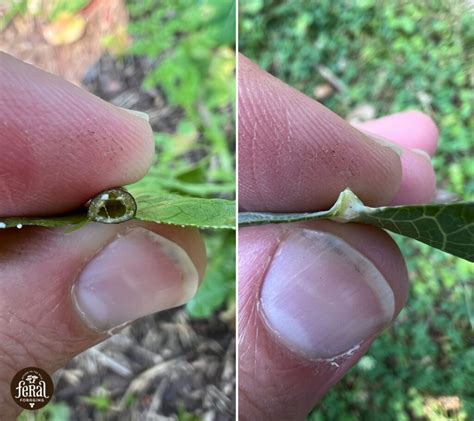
(61, 293)
(312, 297)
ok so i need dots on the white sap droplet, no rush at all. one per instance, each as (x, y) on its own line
(3, 225)
(19, 226)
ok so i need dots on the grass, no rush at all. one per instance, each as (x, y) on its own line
(393, 56)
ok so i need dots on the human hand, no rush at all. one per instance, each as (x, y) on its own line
(61, 293)
(314, 295)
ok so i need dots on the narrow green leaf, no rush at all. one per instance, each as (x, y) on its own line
(448, 227)
(155, 207)
(218, 286)
(48, 222)
(186, 211)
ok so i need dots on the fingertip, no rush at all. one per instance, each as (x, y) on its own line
(62, 145)
(312, 297)
(428, 130)
(418, 185)
(102, 274)
(418, 179)
(189, 238)
(410, 129)
(297, 155)
(144, 152)
(140, 272)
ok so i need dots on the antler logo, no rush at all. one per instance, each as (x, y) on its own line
(32, 388)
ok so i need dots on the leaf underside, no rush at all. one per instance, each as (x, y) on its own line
(152, 207)
(448, 227)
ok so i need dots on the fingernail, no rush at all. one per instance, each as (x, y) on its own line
(139, 114)
(322, 298)
(384, 142)
(421, 152)
(137, 274)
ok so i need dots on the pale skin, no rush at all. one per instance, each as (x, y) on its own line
(61, 146)
(293, 156)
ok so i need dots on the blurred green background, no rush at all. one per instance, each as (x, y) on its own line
(385, 57)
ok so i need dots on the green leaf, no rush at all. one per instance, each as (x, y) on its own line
(218, 287)
(151, 206)
(448, 227)
(186, 211)
(66, 6)
(48, 222)
(101, 403)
